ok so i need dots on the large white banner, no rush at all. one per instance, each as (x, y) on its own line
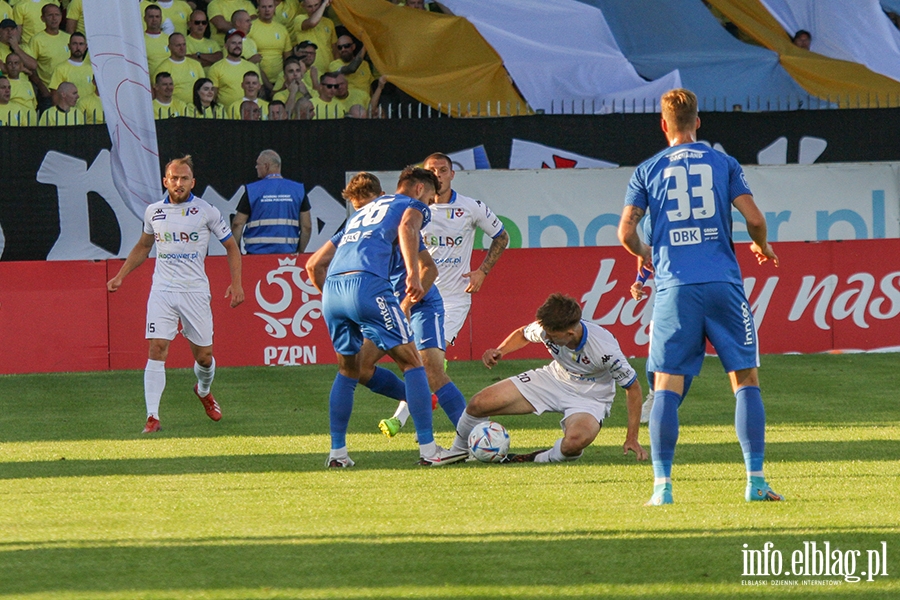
(552, 208)
(116, 42)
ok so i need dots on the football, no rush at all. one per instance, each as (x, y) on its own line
(489, 442)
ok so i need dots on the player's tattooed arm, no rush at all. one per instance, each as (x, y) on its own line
(476, 277)
(628, 235)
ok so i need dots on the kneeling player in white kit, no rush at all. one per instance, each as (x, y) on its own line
(180, 225)
(579, 383)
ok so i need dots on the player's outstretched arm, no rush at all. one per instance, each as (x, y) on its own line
(317, 265)
(136, 257)
(236, 289)
(633, 398)
(513, 342)
(476, 277)
(756, 227)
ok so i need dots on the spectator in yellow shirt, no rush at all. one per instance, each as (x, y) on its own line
(352, 64)
(75, 17)
(228, 74)
(204, 105)
(12, 114)
(319, 29)
(22, 92)
(183, 69)
(28, 14)
(155, 40)
(63, 112)
(175, 14)
(76, 69)
(272, 40)
(165, 105)
(204, 49)
(251, 86)
(50, 46)
(220, 13)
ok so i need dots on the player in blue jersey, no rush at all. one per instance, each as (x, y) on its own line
(426, 319)
(358, 301)
(689, 190)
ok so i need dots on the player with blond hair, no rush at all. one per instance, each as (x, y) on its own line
(689, 190)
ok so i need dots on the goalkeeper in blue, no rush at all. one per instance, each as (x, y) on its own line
(689, 190)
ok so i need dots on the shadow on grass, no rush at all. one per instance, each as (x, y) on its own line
(871, 451)
(369, 566)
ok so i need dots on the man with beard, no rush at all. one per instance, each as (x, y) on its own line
(181, 225)
(76, 69)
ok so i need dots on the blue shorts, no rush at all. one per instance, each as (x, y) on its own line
(427, 320)
(685, 316)
(359, 305)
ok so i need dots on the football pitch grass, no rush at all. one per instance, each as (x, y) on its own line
(244, 508)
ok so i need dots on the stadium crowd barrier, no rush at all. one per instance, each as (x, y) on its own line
(58, 316)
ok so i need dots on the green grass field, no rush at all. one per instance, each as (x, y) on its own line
(243, 508)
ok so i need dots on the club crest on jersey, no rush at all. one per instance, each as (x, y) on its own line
(159, 215)
(458, 213)
(190, 211)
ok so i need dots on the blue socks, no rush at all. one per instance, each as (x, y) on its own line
(452, 401)
(663, 431)
(418, 396)
(384, 382)
(750, 425)
(340, 405)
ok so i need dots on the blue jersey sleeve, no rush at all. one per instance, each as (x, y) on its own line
(737, 182)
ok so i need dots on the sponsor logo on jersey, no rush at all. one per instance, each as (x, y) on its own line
(686, 236)
(350, 237)
(177, 237)
(456, 260)
(159, 215)
(442, 241)
(710, 233)
(606, 358)
(178, 255)
(686, 153)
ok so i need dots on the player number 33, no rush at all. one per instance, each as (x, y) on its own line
(679, 193)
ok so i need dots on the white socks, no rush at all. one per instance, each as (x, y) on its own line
(154, 384)
(554, 454)
(463, 428)
(205, 376)
(402, 412)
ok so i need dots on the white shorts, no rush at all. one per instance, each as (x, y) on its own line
(165, 309)
(455, 313)
(547, 393)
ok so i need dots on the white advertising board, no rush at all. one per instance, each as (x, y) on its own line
(552, 208)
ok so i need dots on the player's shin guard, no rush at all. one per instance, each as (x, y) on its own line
(418, 396)
(154, 384)
(384, 382)
(205, 376)
(664, 431)
(452, 401)
(340, 405)
(750, 425)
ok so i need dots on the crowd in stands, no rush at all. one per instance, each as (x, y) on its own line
(213, 59)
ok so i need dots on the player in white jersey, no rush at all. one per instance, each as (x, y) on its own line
(580, 383)
(180, 226)
(450, 237)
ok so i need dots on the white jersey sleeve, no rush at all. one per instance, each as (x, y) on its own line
(597, 358)
(450, 238)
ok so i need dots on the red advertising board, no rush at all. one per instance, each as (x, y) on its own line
(54, 316)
